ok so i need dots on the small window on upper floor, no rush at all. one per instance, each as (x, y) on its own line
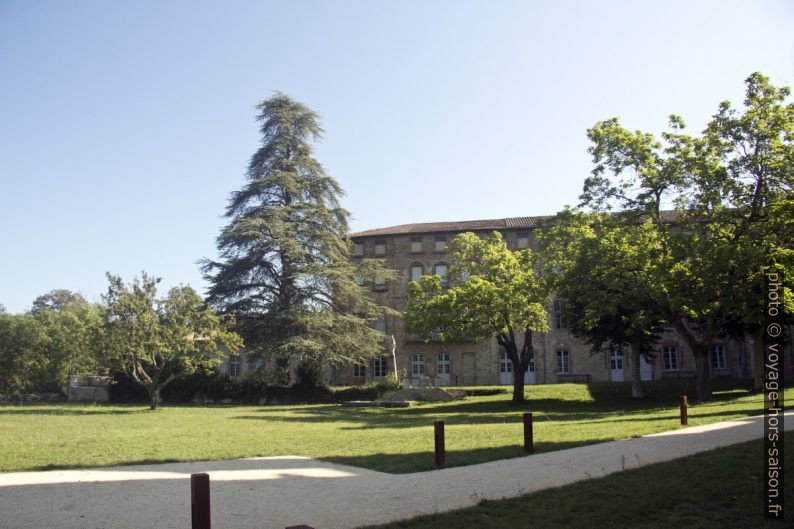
(441, 270)
(379, 284)
(380, 247)
(416, 272)
(560, 318)
(380, 325)
(234, 366)
(358, 249)
(441, 243)
(416, 245)
(523, 240)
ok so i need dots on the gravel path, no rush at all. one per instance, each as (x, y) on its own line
(276, 492)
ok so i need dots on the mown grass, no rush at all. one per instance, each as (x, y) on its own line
(721, 489)
(478, 429)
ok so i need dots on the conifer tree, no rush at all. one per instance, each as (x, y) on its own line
(285, 270)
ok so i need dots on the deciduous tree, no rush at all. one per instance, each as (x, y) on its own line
(159, 340)
(493, 293)
(605, 272)
(731, 189)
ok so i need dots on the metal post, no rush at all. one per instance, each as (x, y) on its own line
(441, 457)
(529, 444)
(684, 404)
(200, 501)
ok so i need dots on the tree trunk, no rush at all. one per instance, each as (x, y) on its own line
(700, 350)
(518, 383)
(154, 396)
(702, 374)
(636, 376)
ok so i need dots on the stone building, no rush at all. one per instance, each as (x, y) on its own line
(413, 250)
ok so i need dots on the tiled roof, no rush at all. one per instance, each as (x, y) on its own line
(459, 226)
(475, 225)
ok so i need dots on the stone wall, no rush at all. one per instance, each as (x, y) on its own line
(88, 388)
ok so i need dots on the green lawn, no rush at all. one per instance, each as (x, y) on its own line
(718, 489)
(392, 440)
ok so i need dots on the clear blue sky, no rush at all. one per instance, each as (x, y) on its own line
(125, 125)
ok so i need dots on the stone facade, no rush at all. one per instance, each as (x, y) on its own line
(417, 249)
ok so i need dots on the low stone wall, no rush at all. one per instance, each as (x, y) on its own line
(88, 388)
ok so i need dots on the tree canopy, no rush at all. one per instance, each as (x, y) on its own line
(157, 340)
(605, 271)
(285, 271)
(730, 189)
(493, 293)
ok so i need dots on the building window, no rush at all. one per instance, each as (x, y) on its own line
(380, 325)
(505, 364)
(416, 245)
(442, 364)
(441, 243)
(615, 358)
(523, 240)
(718, 357)
(670, 358)
(380, 247)
(379, 284)
(358, 249)
(416, 272)
(441, 270)
(418, 365)
(359, 370)
(560, 318)
(234, 366)
(563, 361)
(379, 367)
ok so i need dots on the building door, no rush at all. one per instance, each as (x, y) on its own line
(505, 369)
(616, 364)
(442, 369)
(467, 372)
(529, 374)
(646, 369)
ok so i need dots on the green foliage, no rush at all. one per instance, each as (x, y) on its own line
(159, 340)
(731, 188)
(309, 374)
(62, 335)
(606, 273)
(493, 293)
(285, 271)
(56, 301)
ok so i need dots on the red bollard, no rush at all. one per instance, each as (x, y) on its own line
(200, 501)
(684, 404)
(529, 444)
(441, 457)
